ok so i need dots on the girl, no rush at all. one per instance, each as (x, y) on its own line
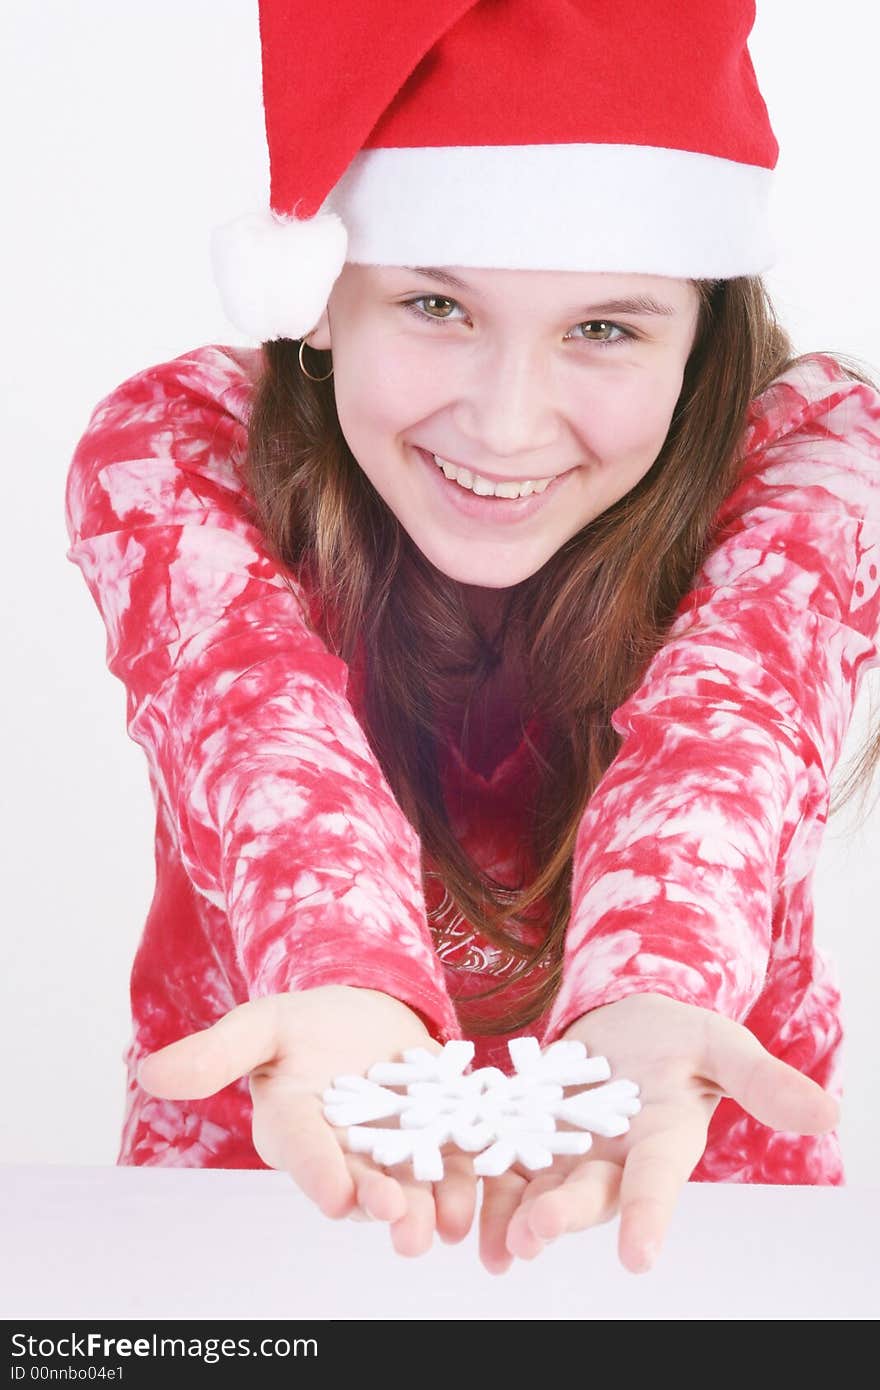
(493, 630)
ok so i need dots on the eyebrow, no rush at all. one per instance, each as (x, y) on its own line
(636, 304)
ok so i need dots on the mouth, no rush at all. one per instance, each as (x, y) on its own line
(484, 483)
(515, 499)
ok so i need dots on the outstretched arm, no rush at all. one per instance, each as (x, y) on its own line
(282, 814)
(713, 808)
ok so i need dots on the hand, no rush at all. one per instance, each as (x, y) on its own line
(291, 1047)
(684, 1059)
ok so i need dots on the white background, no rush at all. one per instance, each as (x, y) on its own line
(131, 131)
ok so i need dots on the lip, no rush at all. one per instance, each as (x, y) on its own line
(490, 510)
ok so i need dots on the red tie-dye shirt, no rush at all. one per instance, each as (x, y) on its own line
(283, 860)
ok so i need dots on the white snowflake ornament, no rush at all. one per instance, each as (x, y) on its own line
(503, 1119)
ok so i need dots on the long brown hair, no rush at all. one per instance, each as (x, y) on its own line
(584, 627)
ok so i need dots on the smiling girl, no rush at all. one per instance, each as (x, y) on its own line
(493, 629)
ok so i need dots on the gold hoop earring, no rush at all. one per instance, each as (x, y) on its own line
(303, 368)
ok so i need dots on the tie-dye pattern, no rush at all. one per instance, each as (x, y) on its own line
(283, 860)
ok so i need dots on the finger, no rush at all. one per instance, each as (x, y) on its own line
(521, 1238)
(656, 1169)
(766, 1087)
(203, 1063)
(455, 1198)
(290, 1133)
(588, 1196)
(501, 1197)
(379, 1195)
(413, 1233)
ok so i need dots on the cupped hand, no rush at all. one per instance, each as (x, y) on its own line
(291, 1047)
(684, 1059)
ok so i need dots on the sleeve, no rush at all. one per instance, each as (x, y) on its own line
(282, 814)
(717, 797)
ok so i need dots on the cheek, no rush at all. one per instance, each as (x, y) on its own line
(629, 420)
(382, 391)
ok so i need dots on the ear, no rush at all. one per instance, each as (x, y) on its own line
(319, 337)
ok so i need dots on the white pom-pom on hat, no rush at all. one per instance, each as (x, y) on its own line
(275, 274)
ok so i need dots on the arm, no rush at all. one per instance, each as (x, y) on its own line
(718, 794)
(282, 814)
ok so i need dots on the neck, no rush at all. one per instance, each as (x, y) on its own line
(486, 606)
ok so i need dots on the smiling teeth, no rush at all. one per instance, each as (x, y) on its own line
(483, 487)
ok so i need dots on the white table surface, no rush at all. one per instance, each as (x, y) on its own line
(87, 1242)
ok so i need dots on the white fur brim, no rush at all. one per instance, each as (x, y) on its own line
(639, 209)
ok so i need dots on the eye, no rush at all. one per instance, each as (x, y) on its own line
(604, 324)
(411, 305)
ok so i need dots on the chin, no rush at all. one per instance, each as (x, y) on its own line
(490, 573)
(482, 577)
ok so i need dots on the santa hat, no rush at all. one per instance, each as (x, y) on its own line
(595, 135)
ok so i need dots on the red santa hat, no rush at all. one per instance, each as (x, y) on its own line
(595, 135)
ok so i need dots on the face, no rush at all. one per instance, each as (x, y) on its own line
(515, 376)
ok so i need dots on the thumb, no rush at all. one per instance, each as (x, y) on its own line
(202, 1063)
(766, 1087)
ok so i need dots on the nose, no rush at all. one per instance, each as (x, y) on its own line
(506, 407)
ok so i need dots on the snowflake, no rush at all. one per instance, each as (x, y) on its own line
(500, 1118)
